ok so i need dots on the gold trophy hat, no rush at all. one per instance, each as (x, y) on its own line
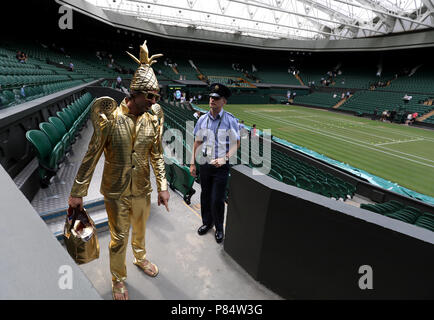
(144, 79)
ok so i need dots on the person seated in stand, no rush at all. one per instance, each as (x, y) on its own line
(414, 116)
(392, 115)
(409, 118)
(383, 115)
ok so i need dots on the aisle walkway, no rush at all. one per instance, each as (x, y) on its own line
(191, 266)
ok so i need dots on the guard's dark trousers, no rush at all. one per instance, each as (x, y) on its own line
(212, 199)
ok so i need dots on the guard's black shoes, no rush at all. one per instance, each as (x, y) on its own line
(203, 229)
(219, 236)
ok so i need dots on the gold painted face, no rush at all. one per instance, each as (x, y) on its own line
(143, 101)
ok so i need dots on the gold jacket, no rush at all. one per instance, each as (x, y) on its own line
(129, 143)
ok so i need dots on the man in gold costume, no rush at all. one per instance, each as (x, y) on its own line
(130, 136)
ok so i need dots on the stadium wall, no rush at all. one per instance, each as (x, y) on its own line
(33, 263)
(306, 246)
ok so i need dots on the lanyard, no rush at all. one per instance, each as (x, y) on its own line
(218, 126)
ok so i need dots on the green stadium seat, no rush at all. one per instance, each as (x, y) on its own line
(183, 182)
(304, 183)
(48, 157)
(60, 126)
(50, 130)
(290, 179)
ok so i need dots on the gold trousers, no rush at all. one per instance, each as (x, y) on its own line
(123, 213)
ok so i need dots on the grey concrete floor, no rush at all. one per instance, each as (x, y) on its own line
(191, 266)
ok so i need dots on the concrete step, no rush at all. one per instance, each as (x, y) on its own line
(55, 219)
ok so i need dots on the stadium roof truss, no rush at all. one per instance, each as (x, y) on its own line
(283, 19)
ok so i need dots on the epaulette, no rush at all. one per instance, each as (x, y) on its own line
(230, 114)
(104, 106)
(103, 111)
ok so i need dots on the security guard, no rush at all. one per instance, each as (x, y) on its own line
(217, 138)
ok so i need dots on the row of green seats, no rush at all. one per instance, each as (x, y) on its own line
(13, 97)
(23, 70)
(14, 81)
(399, 211)
(54, 139)
(297, 173)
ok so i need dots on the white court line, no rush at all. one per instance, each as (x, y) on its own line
(359, 142)
(407, 154)
(378, 128)
(393, 150)
(351, 129)
(296, 117)
(381, 144)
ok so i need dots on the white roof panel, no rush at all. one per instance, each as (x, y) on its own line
(288, 19)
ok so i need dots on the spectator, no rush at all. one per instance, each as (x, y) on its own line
(254, 133)
(392, 115)
(407, 98)
(242, 128)
(119, 82)
(22, 57)
(414, 116)
(383, 115)
(71, 66)
(409, 119)
(374, 116)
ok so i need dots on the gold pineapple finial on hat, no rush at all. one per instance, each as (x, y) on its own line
(144, 78)
(144, 56)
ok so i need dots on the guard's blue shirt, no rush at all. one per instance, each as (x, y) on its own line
(220, 132)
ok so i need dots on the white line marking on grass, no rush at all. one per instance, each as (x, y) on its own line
(358, 143)
(368, 124)
(295, 117)
(393, 150)
(353, 129)
(381, 144)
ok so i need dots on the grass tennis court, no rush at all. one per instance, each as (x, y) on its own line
(398, 153)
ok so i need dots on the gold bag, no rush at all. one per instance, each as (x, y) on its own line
(80, 236)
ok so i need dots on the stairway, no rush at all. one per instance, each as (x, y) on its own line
(299, 79)
(341, 102)
(55, 219)
(426, 116)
